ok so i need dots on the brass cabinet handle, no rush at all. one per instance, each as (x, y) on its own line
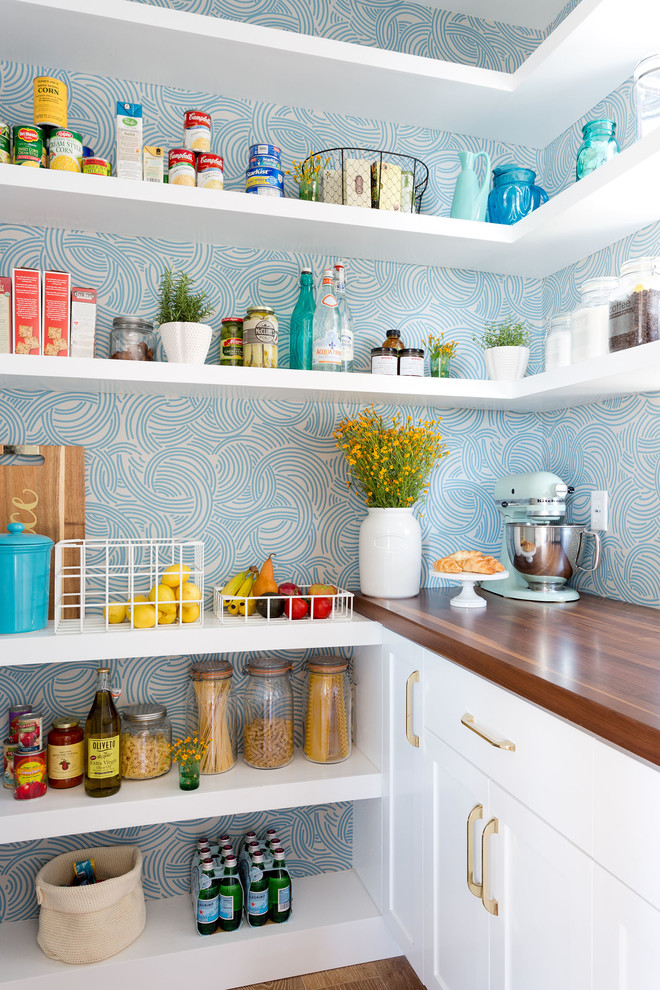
(476, 813)
(492, 828)
(469, 723)
(410, 735)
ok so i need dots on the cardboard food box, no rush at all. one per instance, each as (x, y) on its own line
(332, 185)
(56, 314)
(129, 141)
(357, 182)
(407, 192)
(386, 186)
(5, 314)
(26, 310)
(83, 322)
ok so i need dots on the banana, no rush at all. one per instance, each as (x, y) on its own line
(245, 588)
(234, 583)
(249, 605)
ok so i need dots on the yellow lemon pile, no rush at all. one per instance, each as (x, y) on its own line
(175, 595)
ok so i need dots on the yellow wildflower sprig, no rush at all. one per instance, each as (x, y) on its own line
(439, 347)
(390, 465)
(309, 169)
(188, 751)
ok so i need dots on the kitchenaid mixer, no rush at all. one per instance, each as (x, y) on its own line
(539, 551)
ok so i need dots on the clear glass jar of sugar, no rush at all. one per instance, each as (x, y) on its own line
(590, 330)
(558, 342)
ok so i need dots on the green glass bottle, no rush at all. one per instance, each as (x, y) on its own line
(102, 741)
(302, 323)
(231, 897)
(207, 900)
(258, 892)
(279, 889)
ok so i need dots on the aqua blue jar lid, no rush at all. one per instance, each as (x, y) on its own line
(17, 541)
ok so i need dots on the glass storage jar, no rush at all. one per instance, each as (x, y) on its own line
(132, 339)
(146, 736)
(328, 711)
(590, 326)
(558, 342)
(210, 713)
(598, 146)
(268, 714)
(635, 308)
(646, 95)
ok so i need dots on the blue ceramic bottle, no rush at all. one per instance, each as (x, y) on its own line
(514, 194)
(469, 202)
(598, 146)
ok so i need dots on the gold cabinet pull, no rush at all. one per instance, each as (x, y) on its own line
(410, 735)
(476, 813)
(492, 828)
(469, 723)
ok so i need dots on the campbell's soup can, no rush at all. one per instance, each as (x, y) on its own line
(5, 154)
(197, 130)
(30, 774)
(29, 732)
(96, 166)
(29, 146)
(65, 150)
(8, 750)
(210, 171)
(49, 102)
(181, 167)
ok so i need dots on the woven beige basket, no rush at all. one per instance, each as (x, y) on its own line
(88, 924)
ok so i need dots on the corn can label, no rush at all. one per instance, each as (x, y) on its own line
(102, 756)
(65, 151)
(29, 146)
(49, 102)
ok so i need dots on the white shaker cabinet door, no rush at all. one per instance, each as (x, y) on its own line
(456, 953)
(626, 937)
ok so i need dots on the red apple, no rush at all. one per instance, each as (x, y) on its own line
(296, 608)
(321, 607)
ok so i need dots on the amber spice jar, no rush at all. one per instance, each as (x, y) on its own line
(65, 753)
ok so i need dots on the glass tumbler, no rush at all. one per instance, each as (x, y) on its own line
(328, 711)
(268, 714)
(210, 714)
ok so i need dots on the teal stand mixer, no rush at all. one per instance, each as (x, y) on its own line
(540, 552)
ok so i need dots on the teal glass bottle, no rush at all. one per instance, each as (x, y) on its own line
(302, 323)
(598, 145)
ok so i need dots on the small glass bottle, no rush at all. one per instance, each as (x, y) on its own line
(230, 897)
(102, 741)
(268, 714)
(394, 340)
(279, 889)
(328, 711)
(345, 320)
(301, 334)
(558, 342)
(210, 713)
(257, 892)
(65, 753)
(598, 146)
(326, 348)
(207, 899)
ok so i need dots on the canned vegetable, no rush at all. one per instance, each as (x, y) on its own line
(96, 166)
(8, 750)
(65, 150)
(29, 775)
(29, 146)
(49, 102)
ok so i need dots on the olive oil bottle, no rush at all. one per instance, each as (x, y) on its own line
(102, 741)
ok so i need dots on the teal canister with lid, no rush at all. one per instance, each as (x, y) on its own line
(24, 579)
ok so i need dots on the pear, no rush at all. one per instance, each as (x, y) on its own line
(265, 583)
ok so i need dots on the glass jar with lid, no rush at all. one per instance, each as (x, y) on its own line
(635, 307)
(328, 711)
(146, 736)
(590, 326)
(132, 338)
(646, 95)
(211, 715)
(268, 714)
(558, 342)
(598, 146)
(260, 338)
(393, 339)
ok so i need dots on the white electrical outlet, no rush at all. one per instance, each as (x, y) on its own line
(599, 512)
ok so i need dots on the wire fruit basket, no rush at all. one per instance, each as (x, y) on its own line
(114, 584)
(381, 180)
(230, 609)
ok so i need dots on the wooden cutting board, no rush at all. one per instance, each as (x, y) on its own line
(44, 488)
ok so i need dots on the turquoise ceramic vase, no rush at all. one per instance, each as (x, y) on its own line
(469, 202)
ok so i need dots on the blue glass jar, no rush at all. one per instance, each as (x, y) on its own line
(598, 146)
(514, 194)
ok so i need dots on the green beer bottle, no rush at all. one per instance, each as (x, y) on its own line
(231, 897)
(279, 889)
(207, 900)
(257, 892)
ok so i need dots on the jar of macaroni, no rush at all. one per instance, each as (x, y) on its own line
(260, 334)
(146, 735)
(268, 714)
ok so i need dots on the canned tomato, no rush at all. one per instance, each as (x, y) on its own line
(29, 731)
(231, 341)
(14, 712)
(260, 331)
(29, 775)
(264, 177)
(210, 171)
(181, 169)
(265, 149)
(5, 155)
(65, 150)
(49, 102)
(29, 146)
(197, 130)
(96, 166)
(8, 750)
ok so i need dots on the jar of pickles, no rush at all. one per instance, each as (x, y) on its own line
(210, 713)
(328, 711)
(146, 735)
(268, 714)
(260, 336)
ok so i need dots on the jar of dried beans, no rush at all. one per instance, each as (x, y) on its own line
(210, 713)
(268, 714)
(635, 308)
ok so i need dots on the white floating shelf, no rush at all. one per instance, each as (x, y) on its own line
(591, 52)
(148, 802)
(334, 923)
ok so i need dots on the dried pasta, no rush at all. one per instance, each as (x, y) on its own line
(144, 755)
(214, 724)
(268, 743)
(326, 729)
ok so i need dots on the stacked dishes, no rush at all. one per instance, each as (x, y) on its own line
(264, 175)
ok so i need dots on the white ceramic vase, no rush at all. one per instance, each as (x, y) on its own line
(186, 343)
(390, 553)
(505, 364)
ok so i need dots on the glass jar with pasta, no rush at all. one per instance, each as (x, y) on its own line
(328, 711)
(268, 714)
(146, 734)
(210, 714)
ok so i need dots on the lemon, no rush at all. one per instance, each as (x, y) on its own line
(166, 601)
(166, 620)
(115, 613)
(144, 616)
(190, 592)
(189, 613)
(139, 598)
(175, 575)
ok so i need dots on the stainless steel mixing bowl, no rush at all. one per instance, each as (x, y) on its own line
(548, 555)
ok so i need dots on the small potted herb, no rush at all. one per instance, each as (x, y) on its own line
(186, 337)
(506, 349)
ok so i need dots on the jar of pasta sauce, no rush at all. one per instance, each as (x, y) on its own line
(65, 753)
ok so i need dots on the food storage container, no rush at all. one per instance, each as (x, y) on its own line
(328, 711)
(558, 342)
(146, 735)
(132, 339)
(635, 308)
(260, 337)
(598, 146)
(210, 713)
(24, 579)
(268, 714)
(65, 753)
(590, 323)
(646, 95)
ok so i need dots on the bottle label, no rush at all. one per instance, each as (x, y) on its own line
(347, 338)
(65, 762)
(329, 300)
(207, 911)
(262, 330)
(258, 902)
(102, 756)
(384, 364)
(328, 351)
(226, 907)
(284, 898)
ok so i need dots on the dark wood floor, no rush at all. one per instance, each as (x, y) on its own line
(385, 974)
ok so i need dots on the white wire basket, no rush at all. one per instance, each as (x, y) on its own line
(91, 576)
(230, 609)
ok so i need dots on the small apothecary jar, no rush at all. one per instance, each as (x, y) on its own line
(211, 714)
(268, 714)
(558, 342)
(328, 711)
(132, 338)
(635, 308)
(590, 326)
(146, 736)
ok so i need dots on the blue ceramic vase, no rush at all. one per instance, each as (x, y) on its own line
(514, 194)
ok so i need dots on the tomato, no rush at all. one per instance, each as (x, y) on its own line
(296, 608)
(321, 607)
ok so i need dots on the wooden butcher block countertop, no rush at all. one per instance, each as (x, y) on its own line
(595, 662)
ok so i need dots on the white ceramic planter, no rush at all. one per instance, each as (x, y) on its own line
(390, 553)
(186, 343)
(505, 364)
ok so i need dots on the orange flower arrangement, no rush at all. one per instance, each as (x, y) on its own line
(189, 751)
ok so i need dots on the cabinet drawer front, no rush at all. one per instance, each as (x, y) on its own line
(551, 768)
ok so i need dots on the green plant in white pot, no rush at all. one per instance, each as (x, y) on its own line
(186, 337)
(506, 349)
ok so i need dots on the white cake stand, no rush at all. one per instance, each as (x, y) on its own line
(468, 598)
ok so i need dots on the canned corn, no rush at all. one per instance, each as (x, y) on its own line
(49, 102)
(29, 146)
(65, 150)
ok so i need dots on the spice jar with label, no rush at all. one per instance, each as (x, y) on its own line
(65, 753)
(635, 308)
(210, 713)
(260, 337)
(384, 361)
(268, 714)
(558, 342)
(411, 361)
(132, 338)
(328, 712)
(145, 742)
(590, 324)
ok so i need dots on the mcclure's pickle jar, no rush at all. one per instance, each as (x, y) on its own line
(65, 753)
(260, 334)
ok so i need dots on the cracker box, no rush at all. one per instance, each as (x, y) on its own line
(357, 182)
(56, 314)
(386, 186)
(26, 310)
(83, 322)
(5, 314)
(332, 185)
(129, 141)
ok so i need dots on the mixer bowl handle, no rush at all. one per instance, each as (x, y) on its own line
(585, 534)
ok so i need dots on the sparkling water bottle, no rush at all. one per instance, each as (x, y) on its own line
(345, 319)
(327, 329)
